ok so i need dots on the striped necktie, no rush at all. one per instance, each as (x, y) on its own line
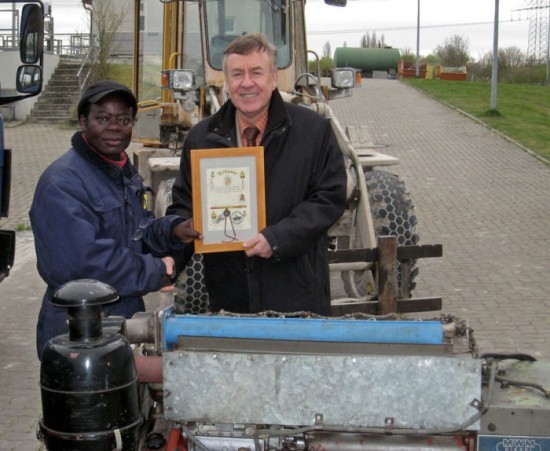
(251, 134)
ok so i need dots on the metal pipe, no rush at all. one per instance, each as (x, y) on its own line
(494, 79)
(548, 48)
(149, 369)
(418, 41)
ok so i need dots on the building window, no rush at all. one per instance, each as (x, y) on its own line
(141, 16)
(229, 24)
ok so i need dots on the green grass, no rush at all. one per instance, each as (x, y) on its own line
(522, 111)
(150, 84)
(122, 73)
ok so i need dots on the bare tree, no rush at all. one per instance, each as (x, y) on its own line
(511, 57)
(508, 57)
(454, 52)
(327, 51)
(407, 55)
(370, 41)
(512, 65)
(106, 20)
(373, 40)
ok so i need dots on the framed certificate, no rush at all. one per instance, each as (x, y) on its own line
(228, 196)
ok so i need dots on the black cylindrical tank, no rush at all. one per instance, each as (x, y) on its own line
(88, 378)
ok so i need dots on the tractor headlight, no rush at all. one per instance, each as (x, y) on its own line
(343, 78)
(182, 80)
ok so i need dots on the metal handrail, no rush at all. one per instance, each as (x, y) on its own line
(91, 58)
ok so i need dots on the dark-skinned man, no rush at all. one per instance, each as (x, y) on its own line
(88, 215)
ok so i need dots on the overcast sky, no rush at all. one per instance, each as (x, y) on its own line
(69, 16)
(395, 19)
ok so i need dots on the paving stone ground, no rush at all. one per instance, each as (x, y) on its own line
(34, 147)
(483, 197)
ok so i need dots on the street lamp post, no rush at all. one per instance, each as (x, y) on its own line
(494, 79)
(418, 41)
(548, 48)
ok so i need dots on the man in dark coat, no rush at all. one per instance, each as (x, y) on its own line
(285, 267)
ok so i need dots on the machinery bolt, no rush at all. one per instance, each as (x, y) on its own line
(155, 440)
(249, 430)
(318, 419)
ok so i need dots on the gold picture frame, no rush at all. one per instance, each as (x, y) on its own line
(228, 197)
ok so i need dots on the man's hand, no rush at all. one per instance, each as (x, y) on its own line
(168, 286)
(258, 246)
(185, 232)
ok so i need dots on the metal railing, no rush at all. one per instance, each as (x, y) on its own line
(87, 65)
(73, 45)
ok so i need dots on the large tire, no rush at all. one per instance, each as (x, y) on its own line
(392, 212)
(191, 295)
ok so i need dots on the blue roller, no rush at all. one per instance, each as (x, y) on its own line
(300, 329)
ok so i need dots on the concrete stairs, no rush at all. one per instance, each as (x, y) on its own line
(57, 102)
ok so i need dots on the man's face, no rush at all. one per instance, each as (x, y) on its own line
(108, 127)
(250, 80)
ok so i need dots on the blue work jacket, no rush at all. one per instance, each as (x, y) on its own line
(89, 222)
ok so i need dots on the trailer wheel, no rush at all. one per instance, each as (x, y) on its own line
(392, 212)
(191, 295)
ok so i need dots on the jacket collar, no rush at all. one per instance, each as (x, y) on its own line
(83, 149)
(223, 122)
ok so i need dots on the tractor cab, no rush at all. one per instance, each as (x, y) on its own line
(185, 45)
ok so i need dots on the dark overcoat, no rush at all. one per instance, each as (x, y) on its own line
(305, 183)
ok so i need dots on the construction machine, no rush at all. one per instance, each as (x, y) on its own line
(178, 79)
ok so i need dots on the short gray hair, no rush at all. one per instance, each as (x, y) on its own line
(251, 42)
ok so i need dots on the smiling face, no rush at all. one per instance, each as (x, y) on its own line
(108, 126)
(250, 80)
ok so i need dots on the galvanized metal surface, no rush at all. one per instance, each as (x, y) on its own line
(520, 410)
(352, 391)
